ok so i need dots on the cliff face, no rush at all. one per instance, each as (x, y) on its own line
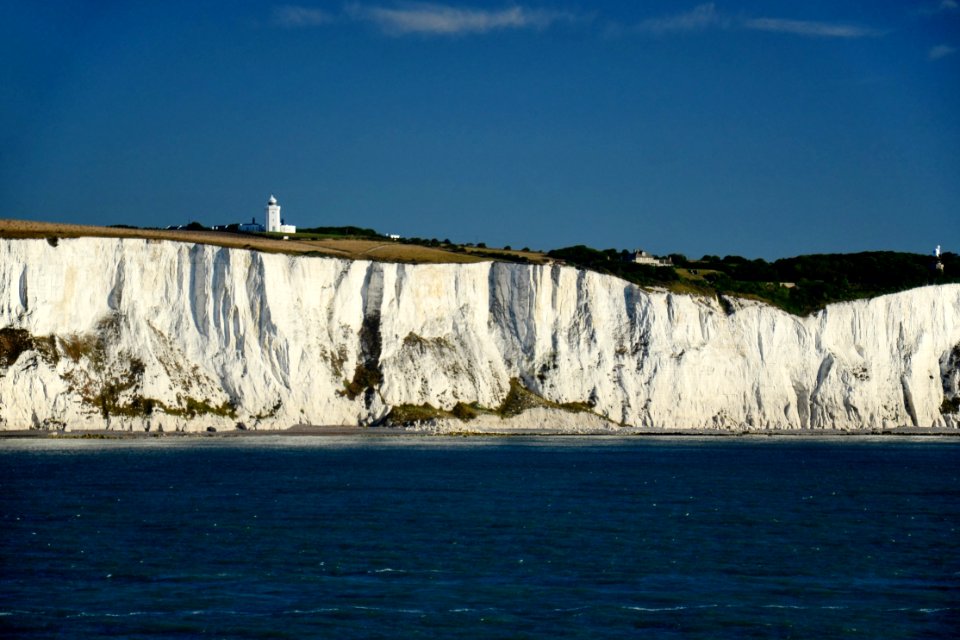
(137, 333)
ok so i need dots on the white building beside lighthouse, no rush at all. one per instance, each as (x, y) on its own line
(274, 222)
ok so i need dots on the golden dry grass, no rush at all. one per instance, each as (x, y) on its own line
(349, 248)
(508, 254)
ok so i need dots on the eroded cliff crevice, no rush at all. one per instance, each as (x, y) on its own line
(950, 382)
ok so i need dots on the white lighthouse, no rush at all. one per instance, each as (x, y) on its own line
(273, 215)
(274, 223)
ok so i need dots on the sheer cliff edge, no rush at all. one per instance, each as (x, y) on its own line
(157, 335)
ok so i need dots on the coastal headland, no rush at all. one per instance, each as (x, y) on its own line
(117, 330)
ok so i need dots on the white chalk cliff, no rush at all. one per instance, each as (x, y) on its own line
(138, 334)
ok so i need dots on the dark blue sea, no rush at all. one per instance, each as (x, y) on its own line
(339, 537)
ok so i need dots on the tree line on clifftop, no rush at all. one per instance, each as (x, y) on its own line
(800, 285)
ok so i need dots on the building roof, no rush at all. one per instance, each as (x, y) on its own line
(272, 200)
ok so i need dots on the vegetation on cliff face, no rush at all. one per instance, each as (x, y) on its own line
(109, 383)
(517, 400)
(13, 342)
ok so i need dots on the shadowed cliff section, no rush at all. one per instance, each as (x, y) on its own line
(368, 376)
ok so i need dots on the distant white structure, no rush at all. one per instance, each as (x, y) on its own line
(273, 214)
(274, 222)
(642, 257)
(936, 251)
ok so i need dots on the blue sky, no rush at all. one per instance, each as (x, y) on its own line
(764, 129)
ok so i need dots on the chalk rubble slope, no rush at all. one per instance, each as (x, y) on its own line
(140, 334)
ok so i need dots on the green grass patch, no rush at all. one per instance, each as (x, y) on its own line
(409, 413)
(519, 399)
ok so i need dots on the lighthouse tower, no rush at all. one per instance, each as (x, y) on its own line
(273, 215)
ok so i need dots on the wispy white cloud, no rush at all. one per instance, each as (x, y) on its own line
(811, 29)
(436, 19)
(949, 5)
(292, 16)
(706, 16)
(440, 19)
(941, 51)
(700, 18)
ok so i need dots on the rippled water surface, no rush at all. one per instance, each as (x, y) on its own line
(280, 537)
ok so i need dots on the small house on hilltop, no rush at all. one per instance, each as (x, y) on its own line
(642, 257)
(251, 226)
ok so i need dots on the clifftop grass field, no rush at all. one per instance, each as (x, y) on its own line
(351, 248)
